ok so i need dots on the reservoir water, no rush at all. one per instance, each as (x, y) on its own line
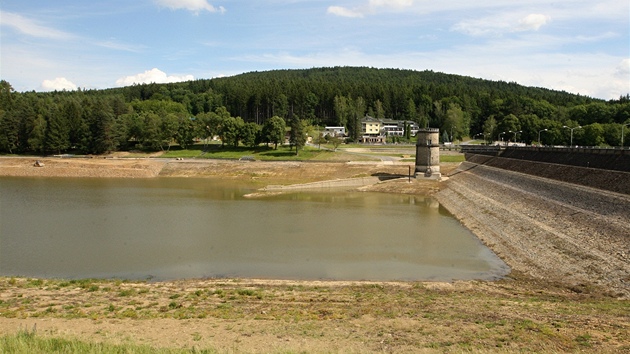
(174, 228)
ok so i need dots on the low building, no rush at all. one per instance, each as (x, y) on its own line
(371, 126)
(377, 130)
(335, 131)
(397, 127)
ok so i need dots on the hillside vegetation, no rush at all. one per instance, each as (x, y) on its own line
(256, 108)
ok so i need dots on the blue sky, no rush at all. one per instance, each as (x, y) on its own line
(580, 46)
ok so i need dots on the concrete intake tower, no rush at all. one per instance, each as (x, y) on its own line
(428, 153)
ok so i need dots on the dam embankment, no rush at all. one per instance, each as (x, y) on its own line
(606, 169)
(571, 226)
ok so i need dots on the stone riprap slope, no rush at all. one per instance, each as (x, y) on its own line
(614, 181)
(545, 228)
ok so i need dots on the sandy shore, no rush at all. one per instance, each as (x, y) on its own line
(567, 247)
(81, 167)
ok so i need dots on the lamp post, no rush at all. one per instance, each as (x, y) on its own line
(499, 137)
(623, 126)
(540, 131)
(516, 132)
(452, 126)
(578, 127)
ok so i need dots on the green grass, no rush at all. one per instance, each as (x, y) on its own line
(264, 153)
(214, 150)
(29, 342)
(452, 158)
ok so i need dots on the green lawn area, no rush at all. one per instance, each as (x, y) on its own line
(452, 158)
(286, 153)
(264, 153)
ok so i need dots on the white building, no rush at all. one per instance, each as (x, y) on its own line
(335, 131)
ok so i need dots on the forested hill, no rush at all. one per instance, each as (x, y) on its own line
(311, 93)
(152, 114)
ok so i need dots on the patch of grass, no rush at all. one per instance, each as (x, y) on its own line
(30, 342)
(262, 152)
(455, 318)
(35, 283)
(452, 158)
(249, 292)
(584, 340)
(127, 292)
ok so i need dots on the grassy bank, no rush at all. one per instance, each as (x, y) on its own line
(26, 341)
(511, 315)
(308, 153)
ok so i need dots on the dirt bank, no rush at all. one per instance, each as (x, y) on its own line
(80, 167)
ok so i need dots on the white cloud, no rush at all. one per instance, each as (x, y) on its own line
(190, 5)
(154, 75)
(343, 12)
(390, 3)
(371, 7)
(623, 71)
(499, 24)
(533, 22)
(58, 84)
(30, 27)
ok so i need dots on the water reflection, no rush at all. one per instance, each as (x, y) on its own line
(169, 228)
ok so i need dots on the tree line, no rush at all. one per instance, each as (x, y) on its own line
(256, 108)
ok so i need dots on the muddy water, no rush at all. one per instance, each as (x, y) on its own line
(169, 228)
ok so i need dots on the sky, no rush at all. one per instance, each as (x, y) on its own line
(578, 46)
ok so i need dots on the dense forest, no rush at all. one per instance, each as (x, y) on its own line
(257, 107)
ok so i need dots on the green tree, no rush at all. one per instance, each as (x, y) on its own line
(168, 129)
(454, 122)
(490, 128)
(274, 130)
(342, 111)
(152, 133)
(57, 132)
(310, 104)
(612, 134)
(103, 131)
(281, 105)
(509, 123)
(357, 112)
(593, 135)
(232, 130)
(379, 111)
(250, 134)
(9, 130)
(410, 111)
(77, 127)
(186, 132)
(335, 141)
(6, 95)
(38, 135)
(320, 139)
(297, 135)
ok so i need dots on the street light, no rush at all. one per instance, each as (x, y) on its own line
(516, 132)
(623, 126)
(578, 127)
(499, 137)
(540, 131)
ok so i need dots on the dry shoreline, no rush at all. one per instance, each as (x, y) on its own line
(561, 251)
